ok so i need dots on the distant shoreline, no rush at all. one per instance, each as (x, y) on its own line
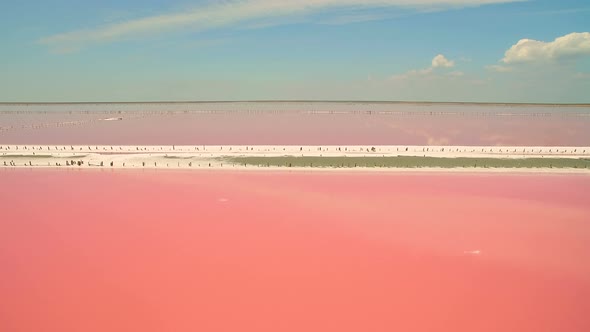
(301, 101)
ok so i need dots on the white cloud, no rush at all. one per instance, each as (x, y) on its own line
(440, 61)
(231, 12)
(568, 46)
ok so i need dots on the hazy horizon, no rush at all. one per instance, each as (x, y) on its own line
(290, 101)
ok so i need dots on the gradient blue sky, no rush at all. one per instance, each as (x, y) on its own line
(155, 50)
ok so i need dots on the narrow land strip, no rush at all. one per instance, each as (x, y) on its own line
(395, 158)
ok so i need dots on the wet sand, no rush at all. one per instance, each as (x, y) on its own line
(90, 250)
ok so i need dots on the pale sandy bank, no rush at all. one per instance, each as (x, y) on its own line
(473, 158)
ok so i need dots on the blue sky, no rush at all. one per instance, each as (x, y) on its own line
(420, 50)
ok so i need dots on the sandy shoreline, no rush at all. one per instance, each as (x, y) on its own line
(220, 157)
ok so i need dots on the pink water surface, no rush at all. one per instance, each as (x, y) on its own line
(226, 251)
(287, 124)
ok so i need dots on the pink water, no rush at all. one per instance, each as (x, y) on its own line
(295, 124)
(222, 251)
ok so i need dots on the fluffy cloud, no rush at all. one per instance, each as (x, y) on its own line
(232, 12)
(440, 61)
(568, 46)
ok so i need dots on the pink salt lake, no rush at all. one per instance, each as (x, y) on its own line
(227, 251)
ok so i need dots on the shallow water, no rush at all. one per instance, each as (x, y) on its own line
(297, 123)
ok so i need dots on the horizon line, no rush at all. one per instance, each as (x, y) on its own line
(296, 101)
